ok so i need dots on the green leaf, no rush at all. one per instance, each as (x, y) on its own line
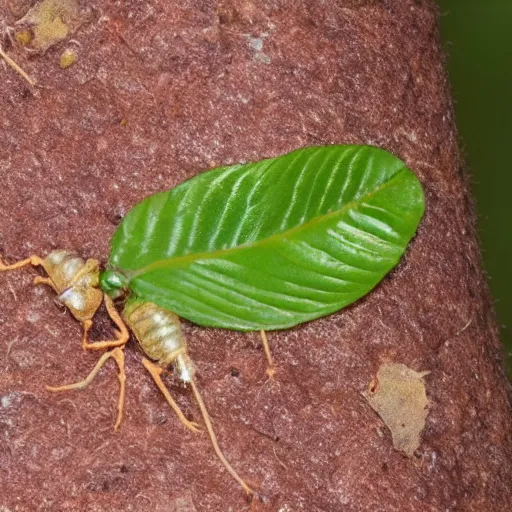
(271, 244)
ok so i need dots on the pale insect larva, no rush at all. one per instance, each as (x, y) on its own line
(160, 336)
(76, 283)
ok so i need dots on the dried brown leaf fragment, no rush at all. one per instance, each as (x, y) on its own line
(397, 394)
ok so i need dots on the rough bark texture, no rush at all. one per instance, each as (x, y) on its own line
(162, 90)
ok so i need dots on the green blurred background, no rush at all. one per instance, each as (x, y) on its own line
(478, 39)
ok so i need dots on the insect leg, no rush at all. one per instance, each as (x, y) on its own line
(156, 371)
(122, 334)
(33, 260)
(47, 281)
(118, 355)
(271, 370)
(213, 439)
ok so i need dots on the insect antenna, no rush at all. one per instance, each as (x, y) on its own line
(213, 438)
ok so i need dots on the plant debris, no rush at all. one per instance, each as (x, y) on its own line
(67, 58)
(51, 21)
(397, 394)
(16, 67)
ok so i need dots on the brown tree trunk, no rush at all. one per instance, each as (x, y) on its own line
(160, 91)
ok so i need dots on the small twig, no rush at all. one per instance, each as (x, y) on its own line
(9, 346)
(278, 459)
(458, 333)
(16, 68)
(13, 292)
(380, 320)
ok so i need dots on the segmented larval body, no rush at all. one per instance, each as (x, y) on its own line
(160, 336)
(76, 281)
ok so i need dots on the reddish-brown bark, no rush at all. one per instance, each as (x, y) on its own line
(160, 91)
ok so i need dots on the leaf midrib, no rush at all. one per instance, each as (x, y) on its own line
(190, 258)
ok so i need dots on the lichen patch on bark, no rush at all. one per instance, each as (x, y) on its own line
(50, 21)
